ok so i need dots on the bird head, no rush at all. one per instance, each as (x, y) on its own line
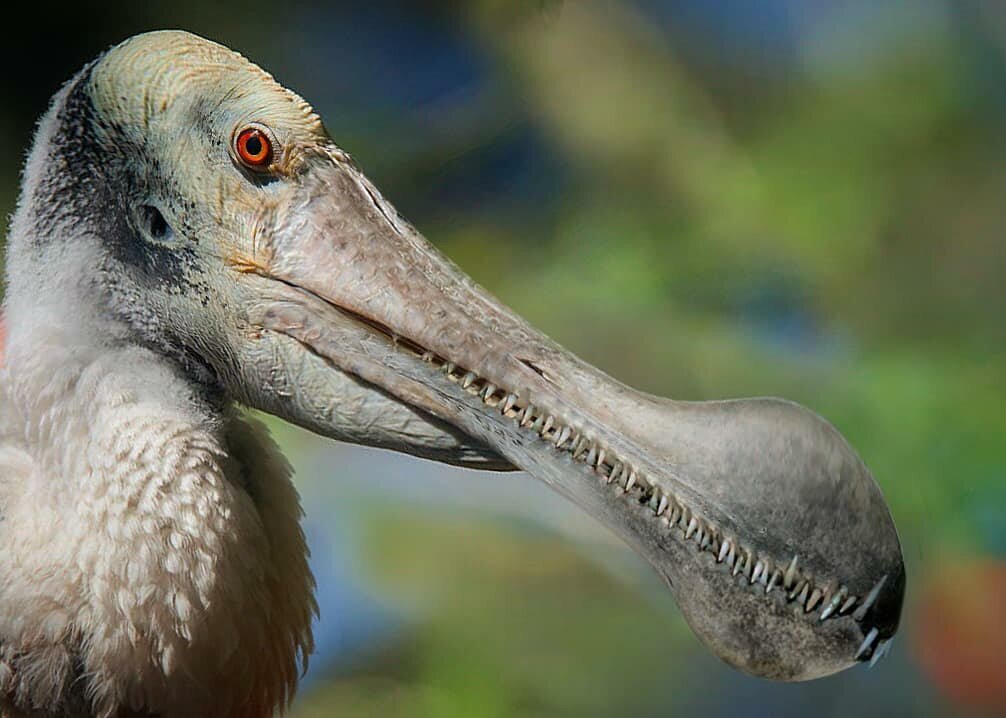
(203, 211)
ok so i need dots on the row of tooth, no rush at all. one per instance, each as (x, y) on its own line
(833, 601)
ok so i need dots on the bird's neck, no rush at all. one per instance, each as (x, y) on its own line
(66, 355)
(168, 521)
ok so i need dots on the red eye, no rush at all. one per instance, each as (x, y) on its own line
(254, 148)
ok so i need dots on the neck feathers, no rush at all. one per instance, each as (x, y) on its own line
(156, 533)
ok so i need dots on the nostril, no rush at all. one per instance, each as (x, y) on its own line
(154, 224)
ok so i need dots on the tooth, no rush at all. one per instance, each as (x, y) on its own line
(686, 516)
(600, 458)
(815, 598)
(548, 425)
(776, 575)
(528, 417)
(610, 478)
(867, 642)
(880, 652)
(757, 572)
(508, 402)
(538, 423)
(706, 538)
(748, 565)
(631, 481)
(724, 549)
(582, 442)
(796, 588)
(562, 437)
(468, 379)
(592, 455)
(741, 558)
(849, 603)
(869, 600)
(790, 574)
(662, 505)
(732, 556)
(449, 368)
(802, 598)
(693, 525)
(833, 605)
(675, 515)
(427, 356)
(489, 390)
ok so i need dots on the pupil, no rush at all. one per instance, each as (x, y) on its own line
(254, 145)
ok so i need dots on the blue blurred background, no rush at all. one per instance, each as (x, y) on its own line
(706, 198)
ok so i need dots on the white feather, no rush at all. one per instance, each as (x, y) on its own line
(132, 541)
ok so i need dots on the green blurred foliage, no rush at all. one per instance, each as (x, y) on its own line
(525, 648)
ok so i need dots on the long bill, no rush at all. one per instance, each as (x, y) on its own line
(767, 527)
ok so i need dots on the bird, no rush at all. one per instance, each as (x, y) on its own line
(190, 242)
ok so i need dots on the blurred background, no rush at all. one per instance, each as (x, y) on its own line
(707, 199)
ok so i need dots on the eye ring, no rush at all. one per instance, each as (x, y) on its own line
(253, 147)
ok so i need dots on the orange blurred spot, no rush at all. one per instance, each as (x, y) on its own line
(960, 633)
